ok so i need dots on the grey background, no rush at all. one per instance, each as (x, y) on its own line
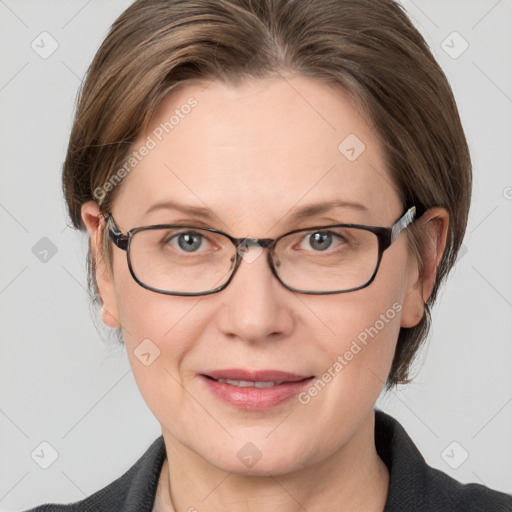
(63, 382)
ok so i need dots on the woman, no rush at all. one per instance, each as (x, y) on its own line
(274, 192)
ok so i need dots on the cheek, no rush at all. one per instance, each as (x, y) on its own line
(363, 331)
(145, 314)
(159, 332)
(372, 313)
(168, 326)
(359, 339)
(355, 365)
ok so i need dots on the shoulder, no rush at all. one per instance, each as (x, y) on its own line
(414, 485)
(134, 491)
(465, 497)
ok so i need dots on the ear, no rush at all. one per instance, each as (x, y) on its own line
(433, 226)
(95, 223)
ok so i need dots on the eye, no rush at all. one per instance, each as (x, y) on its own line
(321, 240)
(188, 241)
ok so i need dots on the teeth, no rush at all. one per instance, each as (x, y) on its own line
(249, 384)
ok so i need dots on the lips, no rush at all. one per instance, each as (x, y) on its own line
(255, 390)
(236, 374)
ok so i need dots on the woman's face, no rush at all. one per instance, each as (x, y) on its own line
(252, 156)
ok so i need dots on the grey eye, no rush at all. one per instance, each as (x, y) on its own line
(320, 240)
(189, 241)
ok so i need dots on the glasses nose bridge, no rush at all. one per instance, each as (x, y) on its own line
(242, 244)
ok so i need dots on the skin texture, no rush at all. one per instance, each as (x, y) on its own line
(254, 154)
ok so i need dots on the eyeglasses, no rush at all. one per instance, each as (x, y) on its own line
(178, 259)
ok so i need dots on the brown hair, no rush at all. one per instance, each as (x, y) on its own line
(368, 48)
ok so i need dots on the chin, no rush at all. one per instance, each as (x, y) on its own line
(259, 457)
(276, 465)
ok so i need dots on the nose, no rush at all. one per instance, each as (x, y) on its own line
(256, 306)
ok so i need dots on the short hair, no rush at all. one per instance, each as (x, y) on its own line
(367, 48)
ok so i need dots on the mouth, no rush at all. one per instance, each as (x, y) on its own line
(254, 389)
(248, 383)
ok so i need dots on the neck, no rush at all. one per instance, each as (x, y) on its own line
(353, 478)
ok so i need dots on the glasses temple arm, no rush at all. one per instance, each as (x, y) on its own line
(115, 235)
(407, 218)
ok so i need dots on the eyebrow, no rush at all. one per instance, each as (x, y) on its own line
(324, 207)
(297, 215)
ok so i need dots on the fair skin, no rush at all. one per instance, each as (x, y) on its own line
(254, 154)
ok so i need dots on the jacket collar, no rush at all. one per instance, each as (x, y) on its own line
(407, 467)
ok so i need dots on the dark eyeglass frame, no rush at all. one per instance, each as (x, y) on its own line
(385, 235)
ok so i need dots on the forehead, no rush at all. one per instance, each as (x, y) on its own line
(256, 153)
